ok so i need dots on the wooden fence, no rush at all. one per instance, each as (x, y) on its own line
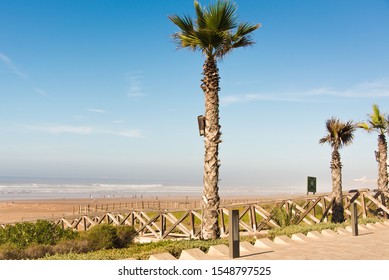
(149, 205)
(254, 217)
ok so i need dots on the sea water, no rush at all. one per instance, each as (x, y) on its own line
(13, 188)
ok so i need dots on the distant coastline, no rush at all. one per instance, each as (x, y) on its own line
(32, 188)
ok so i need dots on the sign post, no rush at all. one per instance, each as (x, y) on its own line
(311, 185)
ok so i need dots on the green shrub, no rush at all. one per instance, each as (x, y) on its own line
(10, 251)
(36, 251)
(105, 236)
(21, 234)
(40, 232)
(3, 235)
(78, 246)
(102, 236)
(285, 218)
(43, 239)
(125, 236)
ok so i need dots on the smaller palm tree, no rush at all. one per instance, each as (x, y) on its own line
(378, 123)
(339, 134)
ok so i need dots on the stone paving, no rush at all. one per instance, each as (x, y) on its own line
(372, 243)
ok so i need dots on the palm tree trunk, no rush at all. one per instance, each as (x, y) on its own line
(210, 200)
(336, 172)
(382, 163)
(382, 180)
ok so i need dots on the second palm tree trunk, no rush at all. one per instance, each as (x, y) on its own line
(382, 169)
(382, 163)
(336, 171)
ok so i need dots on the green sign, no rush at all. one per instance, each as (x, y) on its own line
(311, 185)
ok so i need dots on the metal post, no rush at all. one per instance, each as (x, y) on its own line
(383, 201)
(354, 219)
(234, 234)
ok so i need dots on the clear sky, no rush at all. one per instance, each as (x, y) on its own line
(97, 89)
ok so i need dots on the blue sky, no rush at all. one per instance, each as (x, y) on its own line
(97, 89)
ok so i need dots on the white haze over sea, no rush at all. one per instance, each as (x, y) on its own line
(15, 188)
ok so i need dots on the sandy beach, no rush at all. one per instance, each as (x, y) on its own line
(29, 210)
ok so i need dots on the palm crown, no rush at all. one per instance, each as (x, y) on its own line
(338, 133)
(376, 122)
(214, 31)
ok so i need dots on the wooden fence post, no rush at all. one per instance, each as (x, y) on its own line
(163, 225)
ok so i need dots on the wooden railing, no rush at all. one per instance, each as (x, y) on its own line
(182, 204)
(254, 216)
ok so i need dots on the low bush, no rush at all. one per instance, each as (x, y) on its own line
(41, 232)
(36, 251)
(107, 236)
(125, 236)
(77, 246)
(42, 239)
(10, 251)
(102, 236)
(285, 218)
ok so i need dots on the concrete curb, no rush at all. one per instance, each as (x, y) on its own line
(300, 237)
(218, 250)
(314, 235)
(283, 240)
(162, 256)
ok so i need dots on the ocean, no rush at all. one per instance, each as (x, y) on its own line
(17, 188)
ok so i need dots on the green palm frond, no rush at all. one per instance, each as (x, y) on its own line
(364, 126)
(376, 122)
(185, 23)
(214, 30)
(200, 17)
(242, 42)
(244, 29)
(376, 116)
(221, 16)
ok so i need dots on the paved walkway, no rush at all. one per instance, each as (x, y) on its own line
(372, 243)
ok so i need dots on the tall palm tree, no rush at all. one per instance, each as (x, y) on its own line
(378, 123)
(215, 32)
(339, 134)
